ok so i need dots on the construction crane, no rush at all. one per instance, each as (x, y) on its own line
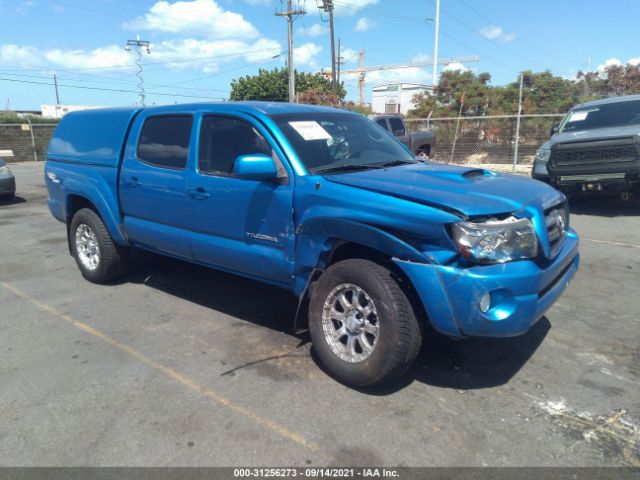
(361, 70)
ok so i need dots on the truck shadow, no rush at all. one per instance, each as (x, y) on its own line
(239, 297)
(443, 363)
(12, 201)
(604, 206)
(469, 364)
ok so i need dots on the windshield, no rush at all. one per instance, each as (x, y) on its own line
(609, 115)
(339, 141)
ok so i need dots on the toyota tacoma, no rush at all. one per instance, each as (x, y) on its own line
(323, 202)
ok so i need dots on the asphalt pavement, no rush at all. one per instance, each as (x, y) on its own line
(184, 366)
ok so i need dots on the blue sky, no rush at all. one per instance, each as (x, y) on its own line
(199, 46)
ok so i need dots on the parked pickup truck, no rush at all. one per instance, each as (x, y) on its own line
(321, 202)
(421, 143)
(595, 149)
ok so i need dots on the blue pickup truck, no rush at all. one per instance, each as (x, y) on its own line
(325, 203)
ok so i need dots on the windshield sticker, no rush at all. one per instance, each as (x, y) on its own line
(310, 130)
(578, 116)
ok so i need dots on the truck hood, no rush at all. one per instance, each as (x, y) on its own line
(467, 191)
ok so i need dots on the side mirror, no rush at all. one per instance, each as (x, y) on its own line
(554, 130)
(255, 167)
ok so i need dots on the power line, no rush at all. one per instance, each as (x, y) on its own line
(165, 62)
(535, 47)
(109, 82)
(475, 32)
(219, 73)
(377, 12)
(83, 87)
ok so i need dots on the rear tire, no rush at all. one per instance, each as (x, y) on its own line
(98, 257)
(362, 299)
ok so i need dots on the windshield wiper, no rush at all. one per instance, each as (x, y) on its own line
(394, 163)
(347, 168)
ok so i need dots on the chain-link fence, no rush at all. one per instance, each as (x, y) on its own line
(488, 141)
(27, 141)
(480, 141)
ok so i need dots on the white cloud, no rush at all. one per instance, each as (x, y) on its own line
(407, 75)
(305, 55)
(24, 6)
(344, 7)
(364, 24)
(421, 57)
(194, 16)
(205, 55)
(608, 63)
(111, 55)
(352, 6)
(349, 55)
(314, 30)
(495, 32)
(455, 66)
(223, 51)
(21, 55)
(616, 62)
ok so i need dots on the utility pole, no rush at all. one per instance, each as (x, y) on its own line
(361, 77)
(515, 149)
(435, 45)
(338, 62)
(55, 82)
(290, 15)
(327, 6)
(137, 44)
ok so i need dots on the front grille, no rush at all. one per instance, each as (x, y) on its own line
(590, 156)
(557, 222)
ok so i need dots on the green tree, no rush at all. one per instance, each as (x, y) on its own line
(447, 98)
(614, 80)
(542, 92)
(273, 85)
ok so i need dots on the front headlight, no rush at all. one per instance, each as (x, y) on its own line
(542, 156)
(496, 241)
(4, 170)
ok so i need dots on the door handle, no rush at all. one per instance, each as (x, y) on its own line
(134, 183)
(199, 193)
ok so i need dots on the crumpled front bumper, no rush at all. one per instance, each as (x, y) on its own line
(521, 292)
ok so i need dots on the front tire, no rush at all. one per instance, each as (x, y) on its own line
(98, 257)
(362, 324)
(423, 152)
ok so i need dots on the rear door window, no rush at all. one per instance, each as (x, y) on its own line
(397, 127)
(383, 123)
(164, 141)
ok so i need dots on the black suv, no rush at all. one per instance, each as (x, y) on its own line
(596, 148)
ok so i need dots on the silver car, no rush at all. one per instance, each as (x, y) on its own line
(7, 182)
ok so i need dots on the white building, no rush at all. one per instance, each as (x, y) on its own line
(58, 111)
(394, 98)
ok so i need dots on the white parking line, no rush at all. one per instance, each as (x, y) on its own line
(610, 243)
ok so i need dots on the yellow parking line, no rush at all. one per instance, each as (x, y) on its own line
(611, 243)
(173, 374)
